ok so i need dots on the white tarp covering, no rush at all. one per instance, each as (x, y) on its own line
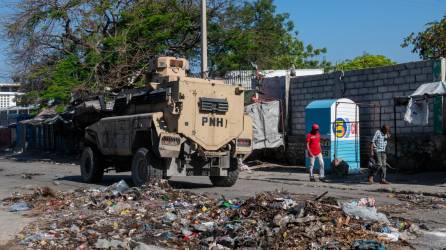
(433, 88)
(266, 120)
(417, 112)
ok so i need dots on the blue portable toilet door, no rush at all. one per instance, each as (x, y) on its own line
(345, 133)
(319, 112)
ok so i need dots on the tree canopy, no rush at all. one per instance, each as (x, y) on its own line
(253, 32)
(430, 43)
(364, 61)
(64, 45)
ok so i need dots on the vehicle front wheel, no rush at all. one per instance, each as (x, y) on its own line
(227, 181)
(92, 169)
(143, 169)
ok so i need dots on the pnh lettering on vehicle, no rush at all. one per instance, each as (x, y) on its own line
(213, 121)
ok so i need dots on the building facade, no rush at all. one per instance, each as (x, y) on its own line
(8, 93)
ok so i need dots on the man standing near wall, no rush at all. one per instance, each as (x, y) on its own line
(314, 151)
(378, 151)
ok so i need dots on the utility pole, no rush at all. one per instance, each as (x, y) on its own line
(204, 41)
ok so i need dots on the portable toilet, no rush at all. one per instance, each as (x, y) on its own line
(338, 120)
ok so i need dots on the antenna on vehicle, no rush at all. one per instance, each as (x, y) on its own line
(204, 41)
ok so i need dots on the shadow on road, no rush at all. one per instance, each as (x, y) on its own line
(110, 179)
(280, 169)
(106, 181)
(33, 156)
(188, 185)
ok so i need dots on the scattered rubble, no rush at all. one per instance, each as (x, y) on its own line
(25, 175)
(423, 201)
(126, 217)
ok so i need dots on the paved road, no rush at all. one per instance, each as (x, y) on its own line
(65, 176)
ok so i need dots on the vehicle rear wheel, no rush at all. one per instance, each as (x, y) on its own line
(227, 181)
(143, 169)
(92, 167)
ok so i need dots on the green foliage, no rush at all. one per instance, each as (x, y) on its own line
(60, 108)
(430, 43)
(64, 45)
(62, 78)
(29, 98)
(254, 33)
(365, 61)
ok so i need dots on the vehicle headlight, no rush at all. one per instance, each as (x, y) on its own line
(243, 142)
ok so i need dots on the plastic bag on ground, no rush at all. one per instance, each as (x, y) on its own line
(365, 213)
(367, 244)
(19, 206)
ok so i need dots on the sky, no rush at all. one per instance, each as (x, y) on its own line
(347, 28)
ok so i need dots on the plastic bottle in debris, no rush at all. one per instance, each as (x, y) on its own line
(122, 186)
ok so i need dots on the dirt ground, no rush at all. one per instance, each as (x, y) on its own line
(25, 172)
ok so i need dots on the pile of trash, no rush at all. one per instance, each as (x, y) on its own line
(423, 201)
(120, 217)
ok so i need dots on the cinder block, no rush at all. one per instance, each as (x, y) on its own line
(352, 91)
(381, 76)
(363, 91)
(414, 86)
(417, 129)
(421, 78)
(328, 88)
(409, 79)
(392, 74)
(404, 72)
(378, 96)
(386, 117)
(364, 84)
(383, 89)
(411, 65)
(366, 98)
(388, 96)
(362, 78)
(427, 70)
(400, 123)
(379, 82)
(330, 81)
(372, 77)
(405, 131)
(388, 81)
(392, 88)
(428, 129)
(400, 80)
(416, 71)
(352, 78)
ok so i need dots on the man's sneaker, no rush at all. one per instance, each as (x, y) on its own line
(370, 180)
(312, 179)
(322, 179)
(385, 182)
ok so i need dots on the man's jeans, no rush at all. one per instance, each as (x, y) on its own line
(381, 164)
(321, 165)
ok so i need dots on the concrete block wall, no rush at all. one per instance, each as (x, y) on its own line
(369, 87)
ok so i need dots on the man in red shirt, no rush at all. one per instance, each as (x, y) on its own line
(314, 151)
